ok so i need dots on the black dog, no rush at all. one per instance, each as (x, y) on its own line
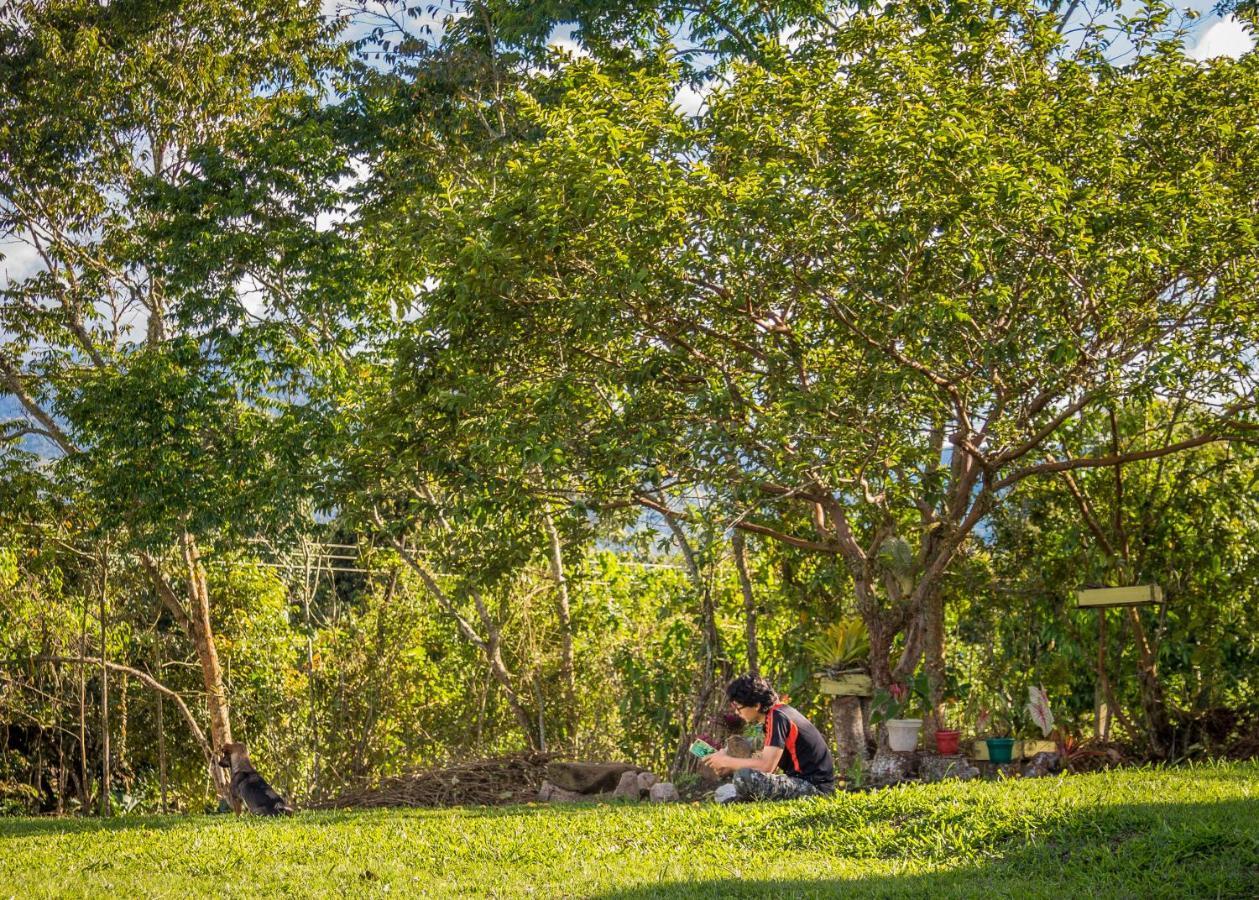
(248, 787)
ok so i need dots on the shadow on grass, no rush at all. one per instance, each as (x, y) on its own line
(54, 825)
(1128, 850)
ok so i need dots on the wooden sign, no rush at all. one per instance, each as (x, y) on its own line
(847, 685)
(1136, 595)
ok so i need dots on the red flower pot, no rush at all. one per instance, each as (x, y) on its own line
(946, 742)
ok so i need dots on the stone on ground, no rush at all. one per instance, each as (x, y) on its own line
(549, 793)
(645, 781)
(627, 787)
(939, 768)
(1042, 764)
(664, 792)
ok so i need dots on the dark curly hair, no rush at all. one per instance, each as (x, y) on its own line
(752, 690)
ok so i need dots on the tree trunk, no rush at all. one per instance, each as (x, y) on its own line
(933, 656)
(195, 620)
(749, 602)
(715, 667)
(563, 614)
(104, 808)
(84, 799)
(850, 733)
(207, 651)
(1152, 700)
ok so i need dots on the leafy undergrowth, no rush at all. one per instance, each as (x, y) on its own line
(1191, 832)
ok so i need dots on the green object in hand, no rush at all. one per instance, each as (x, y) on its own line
(702, 748)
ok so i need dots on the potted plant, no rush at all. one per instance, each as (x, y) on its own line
(1040, 715)
(947, 739)
(841, 652)
(890, 707)
(996, 728)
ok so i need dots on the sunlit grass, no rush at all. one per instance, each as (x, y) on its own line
(1136, 833)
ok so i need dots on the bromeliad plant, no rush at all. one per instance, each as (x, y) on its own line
(843, 648)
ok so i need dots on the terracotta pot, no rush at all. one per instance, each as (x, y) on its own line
(947, 742)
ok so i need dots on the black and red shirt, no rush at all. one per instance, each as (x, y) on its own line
(805, 754)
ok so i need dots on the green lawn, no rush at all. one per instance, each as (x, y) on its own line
(1190, 832)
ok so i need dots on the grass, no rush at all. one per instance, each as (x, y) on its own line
(1191, 832)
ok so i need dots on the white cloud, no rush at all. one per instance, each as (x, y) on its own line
(691, 100)
(1227, 37)
(562, 39)
(20, 261)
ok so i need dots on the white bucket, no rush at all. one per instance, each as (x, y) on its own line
(902, 734)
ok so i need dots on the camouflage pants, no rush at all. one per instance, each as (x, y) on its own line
(753, 785)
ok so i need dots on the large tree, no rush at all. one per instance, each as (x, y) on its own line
(859, 299)
(147, 386)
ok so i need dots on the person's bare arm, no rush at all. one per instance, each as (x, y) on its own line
(763, 760)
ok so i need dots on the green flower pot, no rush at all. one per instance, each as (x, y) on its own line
(1000, 750)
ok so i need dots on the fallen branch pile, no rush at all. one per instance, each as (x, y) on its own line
(482, 782)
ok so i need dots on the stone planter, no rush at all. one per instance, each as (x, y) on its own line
(902, 734)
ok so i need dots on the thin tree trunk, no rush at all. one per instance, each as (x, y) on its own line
(313, 689)
(161, 752)
(713, 657)
(1103, 710)
(195, 621)
(749, 602)
(207, 651)
(148, 680)
(563, 613)
(1152, 699)
(83, 789)
(161, 731)
(104, 807)
(933, 655)
(63, 779)
(489, 645)
(122, 752)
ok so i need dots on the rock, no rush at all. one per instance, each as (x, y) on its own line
(890, 767)
(939, 768)
(588, 778)
(549, 793)
(739, 747)
(645, 781)
(664, 792)
(1042, 764)
(627, 787)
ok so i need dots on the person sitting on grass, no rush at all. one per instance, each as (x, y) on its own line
(791, 742)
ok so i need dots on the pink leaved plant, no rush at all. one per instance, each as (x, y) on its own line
(1038, 709)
